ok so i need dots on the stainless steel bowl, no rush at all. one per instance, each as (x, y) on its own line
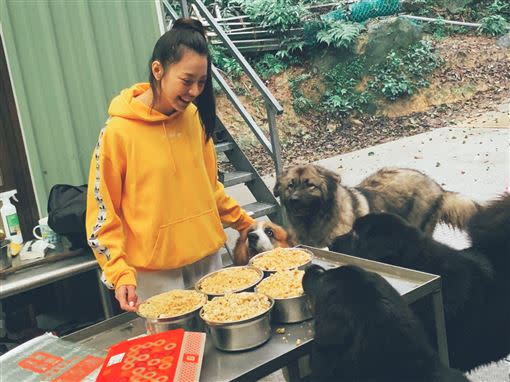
(268, 272)
(189, 321)
(291, 310)
(240, 335)
(248, 288)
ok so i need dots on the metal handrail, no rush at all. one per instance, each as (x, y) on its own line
(273, 107)
(259, 84)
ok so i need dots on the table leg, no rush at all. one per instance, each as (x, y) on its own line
(442, 342)
(106, 300)
(3, 329)
(291, 372)
(297, 370)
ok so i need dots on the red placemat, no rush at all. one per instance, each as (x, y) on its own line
(174, 355)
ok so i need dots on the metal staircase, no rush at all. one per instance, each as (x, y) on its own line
(243, 171)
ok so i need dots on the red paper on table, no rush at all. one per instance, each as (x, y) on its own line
(174, 355)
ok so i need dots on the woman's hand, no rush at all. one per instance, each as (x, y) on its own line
(126, 295)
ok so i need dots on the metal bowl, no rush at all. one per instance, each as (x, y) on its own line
(189, 321)
(268, 272)
(292, 309)
(248, 288)
(240, 335)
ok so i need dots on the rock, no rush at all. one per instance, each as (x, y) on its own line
(385, 35)
(504, 41)
(455, 6)
(356, 122)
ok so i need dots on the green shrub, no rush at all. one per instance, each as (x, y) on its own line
(341, 96)
(339, 34)
(493, 25)
(269, 65)
(300, 103)
(278, 16)
(223, 61)
(403, 72)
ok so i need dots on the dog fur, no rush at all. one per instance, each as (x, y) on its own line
(365, 332)
(259, 237)
(475, 281)
(320, 209)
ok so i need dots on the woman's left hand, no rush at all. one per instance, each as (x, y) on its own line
(126, 295)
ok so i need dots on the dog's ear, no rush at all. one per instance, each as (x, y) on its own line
(331, 176)
(291, 238)
(241, 256)
(312, 277)
(331, 180)
(278, 185)
(385, 237)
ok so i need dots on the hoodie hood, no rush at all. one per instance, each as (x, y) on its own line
(126, 105)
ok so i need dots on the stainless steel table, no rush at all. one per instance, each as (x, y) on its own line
(39, 275)
(282, 349)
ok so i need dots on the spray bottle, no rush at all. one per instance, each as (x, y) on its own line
(10, 218)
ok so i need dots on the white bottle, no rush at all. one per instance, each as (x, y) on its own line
(10, 218)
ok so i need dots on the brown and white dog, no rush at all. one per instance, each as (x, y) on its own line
(259, 237)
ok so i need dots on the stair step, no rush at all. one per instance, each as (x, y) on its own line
(237, 177)
(258, 209)
(224, 146)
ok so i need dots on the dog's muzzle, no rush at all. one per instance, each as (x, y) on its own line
(253, 238)
(299, 206)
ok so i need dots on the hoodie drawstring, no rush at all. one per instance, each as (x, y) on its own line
(171, 156)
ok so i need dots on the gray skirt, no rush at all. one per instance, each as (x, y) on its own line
(150, 283)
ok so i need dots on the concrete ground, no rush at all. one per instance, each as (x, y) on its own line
(473, 161)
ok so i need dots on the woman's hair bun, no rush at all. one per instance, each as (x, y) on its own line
(189, 23)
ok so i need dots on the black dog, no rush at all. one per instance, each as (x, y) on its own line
(365, 332)
(475, 281)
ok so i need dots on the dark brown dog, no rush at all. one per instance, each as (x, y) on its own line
(475, 281)
(365, 332)
(320, 209)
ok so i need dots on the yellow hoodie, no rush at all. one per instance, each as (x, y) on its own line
(154, 201)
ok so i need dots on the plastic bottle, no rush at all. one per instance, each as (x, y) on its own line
(10, 218)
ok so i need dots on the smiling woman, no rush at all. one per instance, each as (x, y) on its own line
(155, 177)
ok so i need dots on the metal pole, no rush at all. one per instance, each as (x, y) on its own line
(104, 293)
(453, 22)
(161, 19)
(275, 140)
(442, 341)
(185, 8)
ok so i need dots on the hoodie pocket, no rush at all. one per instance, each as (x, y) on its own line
(185, 241)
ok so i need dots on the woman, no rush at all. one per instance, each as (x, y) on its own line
(155, 207)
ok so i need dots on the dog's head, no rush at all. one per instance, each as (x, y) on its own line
(383, 236)
(342, 298)
(259, 237)
(489, 227)
(362, 326)
(304, 189)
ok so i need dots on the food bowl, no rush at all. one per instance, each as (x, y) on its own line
(188, 320)
(232, 279)
(282, 259)
(282, 288)
(242, 334)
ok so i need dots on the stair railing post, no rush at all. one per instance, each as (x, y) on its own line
(275, 139)
(277, 154)
(185, 8)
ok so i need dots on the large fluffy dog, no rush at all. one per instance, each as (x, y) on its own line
(319, 208)
(259, 237)
(475, 281)
(365, 332)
